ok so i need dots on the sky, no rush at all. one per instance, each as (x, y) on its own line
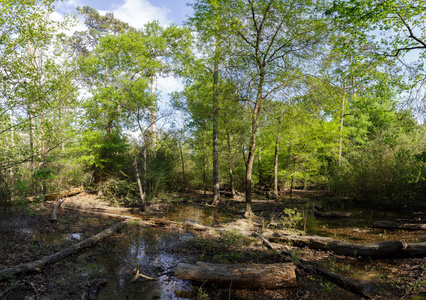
(136, 13)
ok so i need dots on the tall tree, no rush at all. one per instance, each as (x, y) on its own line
(271, 38)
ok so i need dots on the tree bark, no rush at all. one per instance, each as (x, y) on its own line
(216, 185)
(342, 114)
(231, 175)
(141, 193)
(271, 276)
(153, 117)
(41, 263)
(333, 214)
(277, 147)
(252, 148)
(346, 283)
(54, 216)
(382, 249)
(395, 225)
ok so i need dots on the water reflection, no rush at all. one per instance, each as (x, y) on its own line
(155, 253)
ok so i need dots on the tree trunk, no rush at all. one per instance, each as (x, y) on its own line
(54, 216)
(141, 193)
(231, 176)
(216, 185)
(395, 225)
(382, 249)
(271, 276)
(277, 147)
(333, 214)
(342, 114)
(346, 283)
(153, 117)
(252, 148)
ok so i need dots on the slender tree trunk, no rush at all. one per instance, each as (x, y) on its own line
(12, 141)
(216, 185)
(183, 166)
(259, 167)
(141, 193)
(292, 176)
(231, 176)
(252, 148)
(153, 117)
(181, 155)
(144, 166)
(277, 147)
(204, 166)
(342, 114)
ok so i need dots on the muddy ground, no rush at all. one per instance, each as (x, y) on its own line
(27, 234)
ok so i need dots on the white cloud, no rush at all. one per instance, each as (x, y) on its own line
(169, 84)
(139, 12)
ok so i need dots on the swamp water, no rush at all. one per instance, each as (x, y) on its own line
(155, 253)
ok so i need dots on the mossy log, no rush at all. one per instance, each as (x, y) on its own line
(268, 276)
(396, 225)
(38, 265)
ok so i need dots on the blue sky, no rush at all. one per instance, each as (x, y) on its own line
(135, 12)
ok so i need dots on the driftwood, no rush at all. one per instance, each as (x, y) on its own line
(270, 276)
(343, 282)
(333, 214)
(395, 225)
(54, 216)
(39, 264)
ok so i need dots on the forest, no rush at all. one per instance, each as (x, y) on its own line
(321, 101)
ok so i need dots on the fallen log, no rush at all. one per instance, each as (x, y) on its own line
(332, 214)
(38, 265)
(268, 276)
(54, 216)
(395, 225)
(382, 249)
(101, 213)
(341, 281)
(72, 204)
(415, 249)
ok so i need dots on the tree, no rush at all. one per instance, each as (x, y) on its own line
(270, 38)
(383, 30)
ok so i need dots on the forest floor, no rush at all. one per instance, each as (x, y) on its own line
(26, 234)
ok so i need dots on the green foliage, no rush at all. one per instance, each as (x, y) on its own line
(386, 168)
(119, 191)
(291, 218)
(103, 153)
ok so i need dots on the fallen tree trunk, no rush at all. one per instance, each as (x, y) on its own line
(101, 213)
(54, 216)
(332, 214)
(415, 249)
(395, 225)
(343, 282)
(382, 249)
(101, 208)
(39, 264)
(271, 276)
